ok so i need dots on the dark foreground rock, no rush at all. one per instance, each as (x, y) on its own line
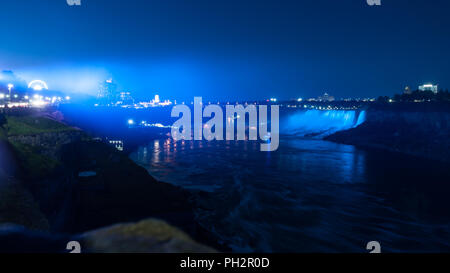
(18, 239)
(147, 236)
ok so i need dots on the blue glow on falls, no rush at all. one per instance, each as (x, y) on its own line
(319, 123)
(361, 118)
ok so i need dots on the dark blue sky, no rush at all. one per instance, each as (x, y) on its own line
(229, 49)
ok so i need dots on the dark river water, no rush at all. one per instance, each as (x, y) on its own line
(309, 195)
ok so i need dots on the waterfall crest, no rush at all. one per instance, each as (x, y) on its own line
(321, 123)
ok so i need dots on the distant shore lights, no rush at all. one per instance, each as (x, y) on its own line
(429, 87)
(38, 85)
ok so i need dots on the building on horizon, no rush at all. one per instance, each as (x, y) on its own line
(125, 98)
(107, 92)
(325, 97)
(429, 87)
(407, 91)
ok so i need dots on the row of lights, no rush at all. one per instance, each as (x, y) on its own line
(36, 100)
(53, 99)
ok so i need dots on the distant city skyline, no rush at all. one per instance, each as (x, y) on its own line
(108, 94)
(225, 50)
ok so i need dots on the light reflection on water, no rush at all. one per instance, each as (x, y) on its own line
(310, 195)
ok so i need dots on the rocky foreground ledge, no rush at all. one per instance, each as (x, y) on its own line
(146, 236)
(44, 194)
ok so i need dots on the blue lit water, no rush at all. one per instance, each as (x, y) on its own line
(309, 196)
(320, 122)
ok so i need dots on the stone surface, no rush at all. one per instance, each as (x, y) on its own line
(147, 236)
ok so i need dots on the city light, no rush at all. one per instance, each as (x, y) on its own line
(38, 85)
(429, 87)
(38, 103)
(10, 86)
(130, 122)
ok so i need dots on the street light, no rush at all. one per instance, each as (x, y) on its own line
(10, 86)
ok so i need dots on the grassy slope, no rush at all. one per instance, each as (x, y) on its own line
(36, 164)
(29, 157)
(33, 125)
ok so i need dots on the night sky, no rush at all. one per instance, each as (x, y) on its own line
(234, 49)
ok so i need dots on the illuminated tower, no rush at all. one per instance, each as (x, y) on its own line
(157, 99)
(107, 92)
(126, 98)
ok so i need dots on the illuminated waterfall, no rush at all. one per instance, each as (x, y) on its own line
(321, 123)
(361, 118)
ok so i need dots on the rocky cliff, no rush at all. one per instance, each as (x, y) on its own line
(42, 189)
(418, 133)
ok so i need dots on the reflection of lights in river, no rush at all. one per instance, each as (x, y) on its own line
(156, 152)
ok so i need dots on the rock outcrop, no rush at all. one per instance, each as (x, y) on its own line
(147, 236)
(49, 143)
(418, 133)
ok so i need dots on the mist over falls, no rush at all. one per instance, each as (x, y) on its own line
(320, 123)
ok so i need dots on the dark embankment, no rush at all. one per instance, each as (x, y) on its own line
(55, 179)
(421, 130)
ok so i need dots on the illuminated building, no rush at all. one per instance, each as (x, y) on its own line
(125, 98)
(429, 87)
(326, 97)
(108, 92)
(118, 144)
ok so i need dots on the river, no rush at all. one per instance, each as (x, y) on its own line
(308, 196)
